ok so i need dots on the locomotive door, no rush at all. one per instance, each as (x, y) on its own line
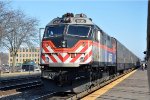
(99, 49)
(96, 47)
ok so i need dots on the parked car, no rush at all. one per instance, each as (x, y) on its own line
(5, 69)
(27, 67)
(37, 68)
(18, 68)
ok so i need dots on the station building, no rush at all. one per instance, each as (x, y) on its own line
(25, 54)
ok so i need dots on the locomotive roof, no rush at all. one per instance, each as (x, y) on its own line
(69, 18)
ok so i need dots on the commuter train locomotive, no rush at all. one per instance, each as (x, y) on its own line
(76, 54)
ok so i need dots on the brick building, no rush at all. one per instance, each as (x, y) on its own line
(25, 54)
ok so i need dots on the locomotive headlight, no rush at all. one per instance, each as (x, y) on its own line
(64, 43)
(42, 67)
(82, 59)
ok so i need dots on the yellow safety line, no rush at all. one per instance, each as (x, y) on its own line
(103, 90)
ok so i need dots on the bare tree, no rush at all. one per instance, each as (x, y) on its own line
(1, 18)
(19, 30)
(4, 19)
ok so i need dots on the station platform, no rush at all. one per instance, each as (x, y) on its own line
(133, 86)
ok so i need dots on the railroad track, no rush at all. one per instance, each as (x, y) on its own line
(7, 80)
(14, 81)
(20, 86)
(41, 94)
(18, 89)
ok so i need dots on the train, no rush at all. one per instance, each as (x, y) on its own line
(76, 54)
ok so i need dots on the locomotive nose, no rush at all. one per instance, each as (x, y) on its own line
(64, 41)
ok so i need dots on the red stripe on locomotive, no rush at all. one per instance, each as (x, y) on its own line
(68, 51)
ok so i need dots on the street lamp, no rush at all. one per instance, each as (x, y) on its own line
(40, 29)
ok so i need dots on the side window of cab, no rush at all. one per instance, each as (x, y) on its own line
(97, 34)
(93, 35)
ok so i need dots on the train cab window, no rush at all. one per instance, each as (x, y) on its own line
(91, 34)
(54, 31)
(78, 30)
(98, 34)
(95, 34)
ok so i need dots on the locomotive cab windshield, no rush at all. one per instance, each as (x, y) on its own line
(54, 31)
(78, 30)
(71, 30)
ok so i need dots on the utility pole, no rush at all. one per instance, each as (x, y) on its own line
(40, 29)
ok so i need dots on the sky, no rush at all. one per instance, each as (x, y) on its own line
(125, 20)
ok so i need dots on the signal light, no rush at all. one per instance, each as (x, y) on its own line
(42, 67)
